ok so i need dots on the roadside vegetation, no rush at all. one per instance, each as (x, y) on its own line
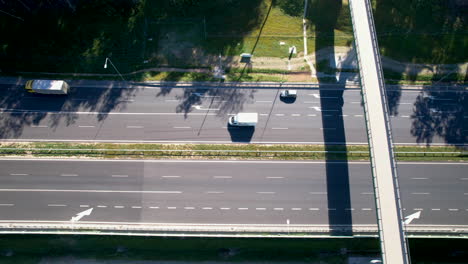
(77, 37)
(226, 152)
(45, 248)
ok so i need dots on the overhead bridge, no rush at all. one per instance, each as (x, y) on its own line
(387, 193)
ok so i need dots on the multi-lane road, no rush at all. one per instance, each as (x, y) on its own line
(164, 113)
(224, 192)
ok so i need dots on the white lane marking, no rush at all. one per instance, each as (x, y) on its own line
(264, 101)
(87, 191)
(243, 208)
(84, 205)
(260, 208)
(423, 193)
(366, 209)
(171, 208)
(199, 107)
(435, 209)
(171, 100)
(464, 179)
(263, 114)
(119, 206)
(453, 209)
(225, 208)
(7, 204)
(278, 209)
(80, 215)
(358, 115)
(136, 207)
(279, 128)
(317, 192)
(266, 192)
(170, 176)
(102, 206)
(419, 178)
(15, 111)
(295, 114)
(182, 127)
(311, 115)
(86, 126)
(222, 177)
(279, 114)
(296, 209)
(68, 175)
(135, 126)
(154, 207)
(313, 209)
(56, 205)
(405, 116)
(189, 208)
(233, 161)
(126, 100)
(344, 115)
(39, 126)
(417, 209)
(355, 102)
(19, 174)
(213, 192)
(207, 208)
(275, 177)
(119, 176)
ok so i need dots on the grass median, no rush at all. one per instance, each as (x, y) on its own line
(224, 151)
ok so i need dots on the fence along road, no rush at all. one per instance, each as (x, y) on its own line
(389, 216)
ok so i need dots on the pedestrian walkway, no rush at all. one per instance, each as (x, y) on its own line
(389, 215)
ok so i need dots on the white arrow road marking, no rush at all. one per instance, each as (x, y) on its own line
(316, 108)
(80, 215)
(198, 107)
(411, 217)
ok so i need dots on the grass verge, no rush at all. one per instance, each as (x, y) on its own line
(226, 152)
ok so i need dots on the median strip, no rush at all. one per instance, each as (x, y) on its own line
(223, 151)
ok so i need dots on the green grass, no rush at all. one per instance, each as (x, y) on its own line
(218, 151)
(32, 248)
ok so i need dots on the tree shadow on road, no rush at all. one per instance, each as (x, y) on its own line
(21, 109)
(324, 15)
(440, 114)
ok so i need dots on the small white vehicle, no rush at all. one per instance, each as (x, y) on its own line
(244, 119)
(47, 86)
(288, 93)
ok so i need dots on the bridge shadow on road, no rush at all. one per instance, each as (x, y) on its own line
(324, 14)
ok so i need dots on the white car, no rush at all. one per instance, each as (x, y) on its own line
(288, 93)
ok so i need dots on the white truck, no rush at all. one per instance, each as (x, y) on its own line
(47, 86)
(244, 119)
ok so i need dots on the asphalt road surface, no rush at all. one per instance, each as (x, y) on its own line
(169, 113)
(227, 192)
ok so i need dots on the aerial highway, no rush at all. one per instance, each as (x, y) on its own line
(170, 113)
(224, 192)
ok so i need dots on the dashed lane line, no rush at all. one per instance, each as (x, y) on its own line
(242, 208)
(19, 174)
(86, 126)
(84, 205)
(135, 126)
(119, 176)
(7, 204)
(68, 175)
(420, 193)
(170, 176)
(265, 192)
(88, 191)
(56, 205)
